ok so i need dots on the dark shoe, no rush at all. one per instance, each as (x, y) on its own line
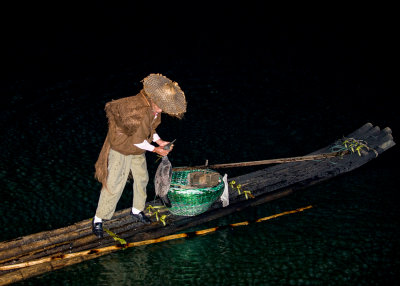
(97, 229)
(141, 217)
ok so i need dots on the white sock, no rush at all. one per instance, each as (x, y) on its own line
(97, 219)
(135, 211)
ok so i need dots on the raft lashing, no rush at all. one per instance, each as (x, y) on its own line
(192, 192)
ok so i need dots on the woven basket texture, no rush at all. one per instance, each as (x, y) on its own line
(191, 201)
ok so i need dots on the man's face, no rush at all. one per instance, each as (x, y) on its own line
(155, 107)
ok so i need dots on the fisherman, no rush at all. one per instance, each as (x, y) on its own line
(132, 123)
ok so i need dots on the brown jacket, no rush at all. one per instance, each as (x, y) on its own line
(130, 121)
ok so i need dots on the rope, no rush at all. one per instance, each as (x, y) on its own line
(352, 145)
(114, 236)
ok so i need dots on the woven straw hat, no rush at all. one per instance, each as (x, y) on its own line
(166, 94)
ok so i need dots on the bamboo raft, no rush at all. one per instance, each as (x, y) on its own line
(35, 254)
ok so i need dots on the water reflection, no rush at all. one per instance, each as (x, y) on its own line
(119, 269)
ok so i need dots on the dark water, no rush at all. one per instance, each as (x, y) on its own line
(251, 103)
(350, 236)
(346, 239)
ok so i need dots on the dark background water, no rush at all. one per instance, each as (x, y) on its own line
(259, 85)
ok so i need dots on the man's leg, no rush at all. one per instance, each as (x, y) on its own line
(141, 178)
(118, 171)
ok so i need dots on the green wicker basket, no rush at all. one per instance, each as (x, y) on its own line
(192, 201)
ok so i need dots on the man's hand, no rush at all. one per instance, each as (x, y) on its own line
(161, 143)
(160, 150)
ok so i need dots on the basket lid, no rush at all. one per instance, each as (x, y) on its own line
(203, 180)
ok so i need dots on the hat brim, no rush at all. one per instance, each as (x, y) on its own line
(166, 94)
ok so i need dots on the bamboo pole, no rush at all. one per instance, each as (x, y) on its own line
(266, 162)
(37, 245)
(108, 249)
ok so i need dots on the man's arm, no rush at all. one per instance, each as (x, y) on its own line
(149, 147)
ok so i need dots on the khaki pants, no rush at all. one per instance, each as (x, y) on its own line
(118, 170)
